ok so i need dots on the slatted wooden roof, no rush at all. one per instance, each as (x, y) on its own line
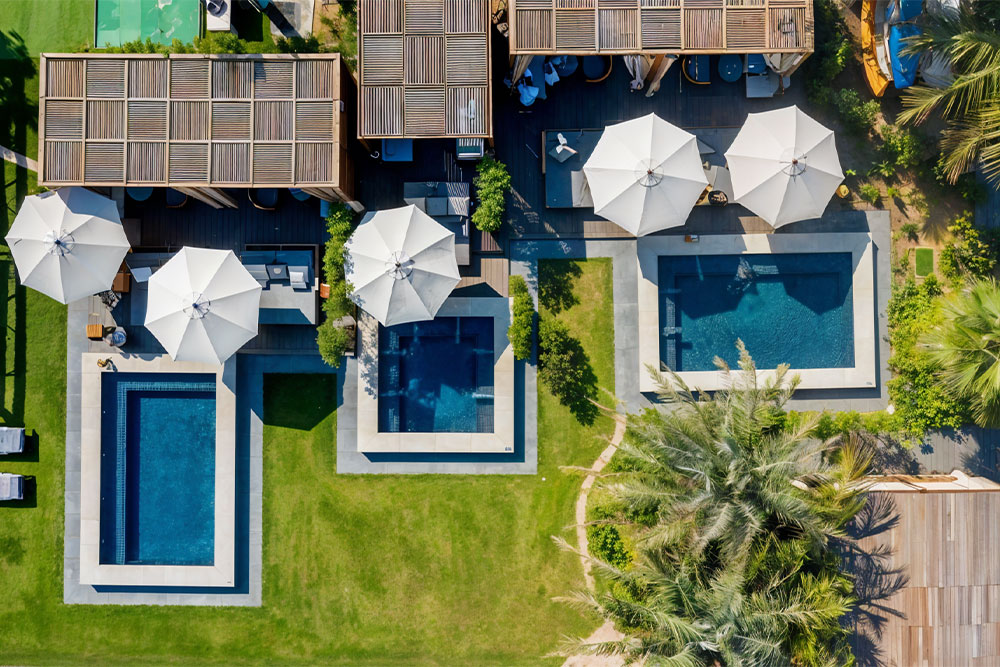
(194, 120)
(660, 26)
(946, 608)
(425, 68)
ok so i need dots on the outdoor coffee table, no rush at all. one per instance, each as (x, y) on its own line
(277, 271)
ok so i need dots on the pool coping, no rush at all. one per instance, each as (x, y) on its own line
(371, 440)
(860, 244)
(91, 571)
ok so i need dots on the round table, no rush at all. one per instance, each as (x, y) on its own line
(730, 67)
(565, 65)
(299, 194)
(139, 194)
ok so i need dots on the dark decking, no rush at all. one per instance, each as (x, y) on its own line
(575, 104)
(151, 225)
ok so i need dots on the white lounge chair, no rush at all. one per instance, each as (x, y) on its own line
(11, 486)
(11, 439)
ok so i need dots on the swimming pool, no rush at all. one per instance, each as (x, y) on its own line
(436, 376)
(794, 308)
(158, 445)
(120, 21)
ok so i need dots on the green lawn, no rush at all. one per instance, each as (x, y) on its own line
(924, 261)
(374, 569)
(53, 26)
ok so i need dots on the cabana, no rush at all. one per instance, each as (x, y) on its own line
(424, 69)
(196, 123)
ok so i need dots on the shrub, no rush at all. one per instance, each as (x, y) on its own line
(910, 230)
(901, 146)
(605, 543)
(522, 322)
(564, 368)
(333, 336)
(833, 50)
(922, 403)
(492, 183)
(870, 193)
(893, 192)
(832, 424)
(858, 116)
(885, 169)
(972, 253)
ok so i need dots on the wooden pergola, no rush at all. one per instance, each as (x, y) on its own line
(424, 68)
(587, 27)
(196, 123)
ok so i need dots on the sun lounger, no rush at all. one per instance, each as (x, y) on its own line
(11, 440)
(11, 486)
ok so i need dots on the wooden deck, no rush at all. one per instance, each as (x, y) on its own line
(935, 596)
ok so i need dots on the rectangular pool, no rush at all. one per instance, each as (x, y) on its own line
(163, 21)
(793, 308)
(436, 376)
(158, 445)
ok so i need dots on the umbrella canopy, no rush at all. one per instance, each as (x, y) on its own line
(68, 243)
(784, 166)
(645, 175)
(401, 264)
(202, 305)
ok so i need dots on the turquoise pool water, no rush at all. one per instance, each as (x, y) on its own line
(157, 469)
(788, 308)
(436, 376)
(120, 21)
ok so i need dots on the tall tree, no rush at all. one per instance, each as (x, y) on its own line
(736, 513)
(966, 346)
(968, 38)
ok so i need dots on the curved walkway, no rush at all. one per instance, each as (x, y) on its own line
(607, 631)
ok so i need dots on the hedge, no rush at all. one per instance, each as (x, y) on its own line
(522, 324)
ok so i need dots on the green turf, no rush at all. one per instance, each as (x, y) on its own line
(55, 26)
(924, 261)
(374, 569)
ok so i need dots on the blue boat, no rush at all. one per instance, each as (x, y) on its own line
(904, 66)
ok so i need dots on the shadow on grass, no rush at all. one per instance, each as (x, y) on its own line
(299, 401)
(556, 282)
(565, 369)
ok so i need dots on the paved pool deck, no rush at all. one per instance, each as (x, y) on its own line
(623, 253)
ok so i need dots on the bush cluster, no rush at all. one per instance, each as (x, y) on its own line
(901, 147)
(833, 51)
(522, 323)
(833, 424)
(605, 543)
(972, 253)
(222, 42)
(859, 117)
(564, 368)
(922, 403)
(870, 193)
(333, 336)
(492, 182)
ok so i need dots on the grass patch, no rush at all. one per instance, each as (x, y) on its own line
(924, 261)
(357, 569)
(54, 26)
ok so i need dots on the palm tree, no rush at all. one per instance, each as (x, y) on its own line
(717, 470)
(966, 346)
(971, 103)
(737, 566)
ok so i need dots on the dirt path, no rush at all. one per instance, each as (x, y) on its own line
(607, 631)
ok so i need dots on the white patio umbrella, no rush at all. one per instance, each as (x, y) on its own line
(645, 175)
(67, 243)
(784, 166)
(401, 264)
(202, 305)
